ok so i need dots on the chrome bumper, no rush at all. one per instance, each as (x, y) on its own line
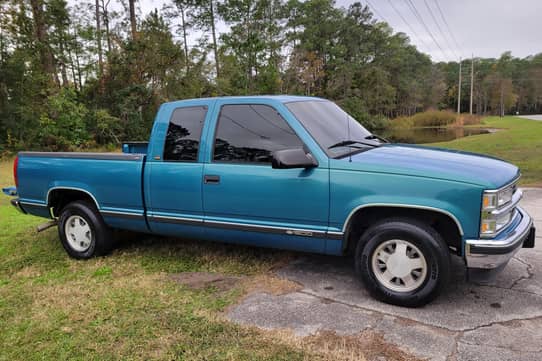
(490, 253)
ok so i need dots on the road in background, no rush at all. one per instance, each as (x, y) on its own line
(533, 116)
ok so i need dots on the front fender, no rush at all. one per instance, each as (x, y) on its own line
(354, 190)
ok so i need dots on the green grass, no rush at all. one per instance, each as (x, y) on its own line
(519, 142)
(124, 306)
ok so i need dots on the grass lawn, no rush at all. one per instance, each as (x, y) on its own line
(124, 306)
(520, 142)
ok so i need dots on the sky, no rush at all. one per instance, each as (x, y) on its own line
(483, 28)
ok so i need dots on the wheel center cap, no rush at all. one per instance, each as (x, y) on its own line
(398, 265)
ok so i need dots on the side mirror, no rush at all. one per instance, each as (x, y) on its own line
(292, 158)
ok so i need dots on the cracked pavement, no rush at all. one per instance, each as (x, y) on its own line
(501, 320)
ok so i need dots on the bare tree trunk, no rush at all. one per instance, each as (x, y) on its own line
(185, 41)
(40, 32)
(133, 19)
(99, 43)
(72, 68)
(77, 63)
(106, 24)
(63, 71)
(213, 30)
(502, 101)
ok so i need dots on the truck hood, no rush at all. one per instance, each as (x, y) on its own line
(433, 162)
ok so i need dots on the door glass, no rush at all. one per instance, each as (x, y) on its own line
(249, 133)
(183, 134)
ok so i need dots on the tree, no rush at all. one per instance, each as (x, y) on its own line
(133, 21)
(42, 39)
(205, 17)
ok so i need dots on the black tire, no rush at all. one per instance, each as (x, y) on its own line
(422, 236)
(100, 235)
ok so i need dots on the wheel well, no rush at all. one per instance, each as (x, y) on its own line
(59, 198)
(445, 225)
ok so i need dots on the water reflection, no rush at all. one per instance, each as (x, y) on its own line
(429, 135)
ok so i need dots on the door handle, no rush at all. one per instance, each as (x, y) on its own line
(211, 179)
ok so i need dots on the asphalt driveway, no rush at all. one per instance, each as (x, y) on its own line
(499, 321)
(532, 116)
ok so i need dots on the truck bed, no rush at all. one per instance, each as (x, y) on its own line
(113, 180)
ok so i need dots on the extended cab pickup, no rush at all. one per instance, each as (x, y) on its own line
(293, 173)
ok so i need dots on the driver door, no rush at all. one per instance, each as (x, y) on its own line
(242, 192)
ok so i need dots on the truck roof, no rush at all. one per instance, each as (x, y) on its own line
(279, 98)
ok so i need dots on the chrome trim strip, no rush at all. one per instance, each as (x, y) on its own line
(334, 235)
(73, 189)
(33, 204)
(400, 205)
(122, 214)
(268, 229)
(510, 184)
(84, 155)
(179, 220)
(246, 226)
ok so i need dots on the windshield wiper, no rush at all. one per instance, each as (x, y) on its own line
(346, 143)
(377, 137)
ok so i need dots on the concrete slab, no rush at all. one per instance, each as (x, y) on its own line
(463, 306)
(498, 321)
(304, 314)
(467, 352)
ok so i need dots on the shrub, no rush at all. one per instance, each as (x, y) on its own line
(62, 124)
(469, 119)
(356, 108)
(430, 118)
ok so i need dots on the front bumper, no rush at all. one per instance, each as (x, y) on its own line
(495, 253)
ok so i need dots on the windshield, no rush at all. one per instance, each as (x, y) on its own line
(328, 124)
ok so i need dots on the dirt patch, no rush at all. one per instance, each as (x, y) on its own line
(28, 272)
(367, 345)
(270, 284)
(201, 280)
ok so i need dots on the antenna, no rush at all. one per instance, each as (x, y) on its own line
(348, 135)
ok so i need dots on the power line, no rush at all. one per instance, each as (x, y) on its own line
(440, 29)
(420, 19)
(408, 24)
(377, 12)
(447, 26)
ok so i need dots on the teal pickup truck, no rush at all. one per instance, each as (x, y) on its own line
(293, 173)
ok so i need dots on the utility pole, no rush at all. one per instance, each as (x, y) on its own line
(459, 90)
(471, 81)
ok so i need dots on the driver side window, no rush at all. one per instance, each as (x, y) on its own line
(249, 133)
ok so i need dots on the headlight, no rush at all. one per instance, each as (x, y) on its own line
(492, 225)
(497, 210)
(496, 199)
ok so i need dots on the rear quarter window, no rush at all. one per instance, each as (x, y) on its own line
(184, 134)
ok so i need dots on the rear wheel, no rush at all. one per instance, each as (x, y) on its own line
(83, 232)
(403, 262)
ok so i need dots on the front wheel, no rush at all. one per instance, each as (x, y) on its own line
(83, 232)
(403, 262)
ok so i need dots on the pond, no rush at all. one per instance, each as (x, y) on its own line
(429, 135)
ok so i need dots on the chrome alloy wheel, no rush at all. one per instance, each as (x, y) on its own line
(399, 265)
(78, 233)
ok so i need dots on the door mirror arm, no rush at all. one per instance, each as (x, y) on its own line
(292, 158)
